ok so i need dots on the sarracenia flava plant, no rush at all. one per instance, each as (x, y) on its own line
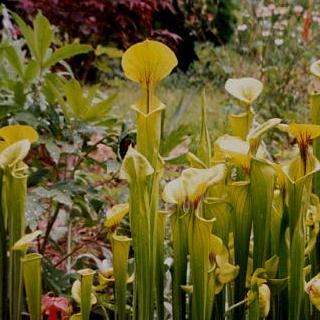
(146, 63)
(243, 228)
(14, 147)
(31, 269)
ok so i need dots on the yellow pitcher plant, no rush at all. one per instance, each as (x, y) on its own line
(14, 147)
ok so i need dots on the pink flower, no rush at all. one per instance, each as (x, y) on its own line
(56, 308)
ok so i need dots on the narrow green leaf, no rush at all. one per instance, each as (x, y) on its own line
(159, 263)
(31, 266)
(27, 33)
(43, 36)
(31, 71)
(109, 51)
(86, 289)
(262, 178)
(179, 227)
(199, 232)
(14, 60)
(121, 246)
(204, 147)
(136, 168)
(242, 220)
(315, 118)
(66, 52)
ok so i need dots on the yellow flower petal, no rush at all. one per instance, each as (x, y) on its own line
(264, 300)
(235, 149)
(148, 62)
(25, 241)
(15, 133)
(315, 68)
(244, 89)
(304, 132)
(115, 214)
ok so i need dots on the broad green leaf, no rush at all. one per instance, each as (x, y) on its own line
(53, 150)
(31, 266)
(244, 89)
(80, 103)
(14, 60)
(98, 110)
(31, 71)
(54, 89)
(148, 62)
(112, 52)
(43, 37)
(75, 97)
(27, 33)
(66, 52)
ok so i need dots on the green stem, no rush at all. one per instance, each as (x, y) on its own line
(242, 221)
(3, 260)
(180, 252)
(15, 211)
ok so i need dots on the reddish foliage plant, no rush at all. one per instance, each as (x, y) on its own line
(101, 21)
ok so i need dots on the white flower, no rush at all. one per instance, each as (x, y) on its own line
(316, 19)
(266, 33)
(298, 10)
(271, 6)
(278, 42)
(281, 11)
(263, 12)
(244, 89)
(242, 27)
